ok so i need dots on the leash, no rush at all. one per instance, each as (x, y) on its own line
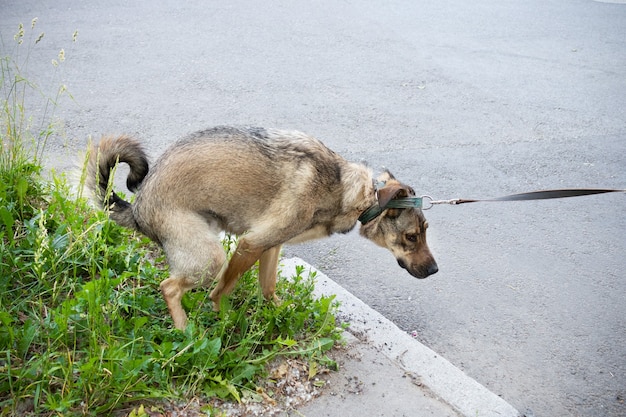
(534, 195)
(418, 202)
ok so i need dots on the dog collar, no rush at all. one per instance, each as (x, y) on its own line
(376, 210)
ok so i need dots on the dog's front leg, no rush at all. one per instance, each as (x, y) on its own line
(244, 257)
(268, 265)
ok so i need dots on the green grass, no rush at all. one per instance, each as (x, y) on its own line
(83, 327)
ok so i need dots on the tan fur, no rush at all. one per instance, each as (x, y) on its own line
(267, 186)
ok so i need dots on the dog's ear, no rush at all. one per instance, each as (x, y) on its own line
(391, 191)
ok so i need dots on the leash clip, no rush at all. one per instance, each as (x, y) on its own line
(430, 202)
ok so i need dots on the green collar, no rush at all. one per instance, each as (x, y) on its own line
(370, 214)
(402, 203)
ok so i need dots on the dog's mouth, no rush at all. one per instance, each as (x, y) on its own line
(419, 271)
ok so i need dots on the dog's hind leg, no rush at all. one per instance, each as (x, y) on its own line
(243, 258)
(173, 290)
(194, 261)
(268, 265)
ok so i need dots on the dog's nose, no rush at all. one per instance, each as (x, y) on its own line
(432, 269)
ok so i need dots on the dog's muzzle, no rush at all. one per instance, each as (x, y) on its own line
(420, 271)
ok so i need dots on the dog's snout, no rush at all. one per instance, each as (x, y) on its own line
(401, 263)
(419, 271)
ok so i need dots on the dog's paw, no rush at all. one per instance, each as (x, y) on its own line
(180, 321)
(275, 300)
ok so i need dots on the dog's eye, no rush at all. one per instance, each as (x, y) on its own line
(411, 237)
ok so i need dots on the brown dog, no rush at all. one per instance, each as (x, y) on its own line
(269, 187)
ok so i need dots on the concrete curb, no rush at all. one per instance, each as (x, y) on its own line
(462, 393)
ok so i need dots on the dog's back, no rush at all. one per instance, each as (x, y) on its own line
(238, 178)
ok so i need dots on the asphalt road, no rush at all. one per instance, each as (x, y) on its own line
(458, 99)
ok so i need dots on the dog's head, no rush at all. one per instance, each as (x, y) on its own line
(401, 230)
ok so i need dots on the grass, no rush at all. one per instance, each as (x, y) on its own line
(83, 327)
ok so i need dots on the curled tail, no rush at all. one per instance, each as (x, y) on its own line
(102, 161)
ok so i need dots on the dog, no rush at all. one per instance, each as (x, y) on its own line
(269, 187)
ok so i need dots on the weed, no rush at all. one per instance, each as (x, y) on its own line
(83, 327)
(19, 128)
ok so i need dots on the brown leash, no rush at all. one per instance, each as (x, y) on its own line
(534, 195)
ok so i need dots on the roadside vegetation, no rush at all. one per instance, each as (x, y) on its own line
(83, 327)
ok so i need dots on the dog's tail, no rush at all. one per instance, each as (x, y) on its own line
(103, 159)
